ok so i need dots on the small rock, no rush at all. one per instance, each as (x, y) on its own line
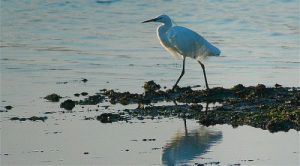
(77, 94)
(50, 112)
(103, 90)
(35, 118)
(108, 117)
(104, 106)
(196, 86)
(260, 86)
(65, 82)
(68, 104)
(53, 97)
(92, 100)
(85, 152)
(84, 93)
(151, 86)
(14, 118)
(260, 90)
(238, 87)
(214, 163)
(278, 85)
(8, 107)
(140, 118)
(84, 80)
(89, 118)
(22, 119)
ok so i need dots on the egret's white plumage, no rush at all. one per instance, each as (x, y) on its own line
(183, 42)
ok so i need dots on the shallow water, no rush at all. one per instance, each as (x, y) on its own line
(65, 142)
(49, 46)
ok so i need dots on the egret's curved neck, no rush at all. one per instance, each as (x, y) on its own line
(164, 28)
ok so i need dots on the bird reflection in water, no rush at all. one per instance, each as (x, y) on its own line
(189, 144)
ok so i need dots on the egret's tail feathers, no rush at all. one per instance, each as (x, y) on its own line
(214, 50)
(217, 52)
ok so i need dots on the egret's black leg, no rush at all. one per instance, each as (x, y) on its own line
(185, 127)
(206, 107)
(174, 101)
(182, 73)
(203, 68)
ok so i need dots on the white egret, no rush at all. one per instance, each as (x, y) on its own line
(183, 42)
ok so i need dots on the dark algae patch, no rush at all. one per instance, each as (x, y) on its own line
(273, 108)
(273, 120)
(33, 118)
(91, 100)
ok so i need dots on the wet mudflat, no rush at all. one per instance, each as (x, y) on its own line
(141, 125)
(160, 126)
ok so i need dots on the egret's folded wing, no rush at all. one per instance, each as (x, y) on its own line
(190, 43)
(179, 39)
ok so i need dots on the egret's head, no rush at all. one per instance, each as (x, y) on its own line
(162, 18)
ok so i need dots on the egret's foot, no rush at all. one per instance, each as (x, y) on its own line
(175, 87)
(175, 103)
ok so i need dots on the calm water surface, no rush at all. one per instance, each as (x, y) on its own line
(47, 43)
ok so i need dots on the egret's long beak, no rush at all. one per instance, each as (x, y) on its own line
(151, 20)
